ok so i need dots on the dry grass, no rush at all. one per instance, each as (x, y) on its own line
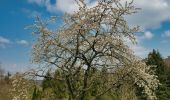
(5, 90)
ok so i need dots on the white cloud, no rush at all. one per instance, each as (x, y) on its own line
(153, 12)
(144, 36)
(3, 42)
(140, 50)
(68, 6)
(167, 33)
(148, 35)
(22, 42)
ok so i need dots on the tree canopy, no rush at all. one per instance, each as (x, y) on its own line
(91, 53)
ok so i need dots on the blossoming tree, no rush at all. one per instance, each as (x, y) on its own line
(91, 46)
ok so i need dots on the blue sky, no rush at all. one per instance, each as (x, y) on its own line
(16, 42)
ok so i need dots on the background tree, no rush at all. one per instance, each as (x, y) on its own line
(155, 58)
(93, 38)
(2, 72)
(5, 85)
(46, 83)
(57, 87)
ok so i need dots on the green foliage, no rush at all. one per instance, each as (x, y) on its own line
(37, 94)
(154, 58)
(56, 88)
(163, 91)
(47, 81)
(59, 86)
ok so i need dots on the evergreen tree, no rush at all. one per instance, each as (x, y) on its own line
(163, 91)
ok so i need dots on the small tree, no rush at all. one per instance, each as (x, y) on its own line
(2, 72)
(93, 38)
(155, 58)
(5, 85)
